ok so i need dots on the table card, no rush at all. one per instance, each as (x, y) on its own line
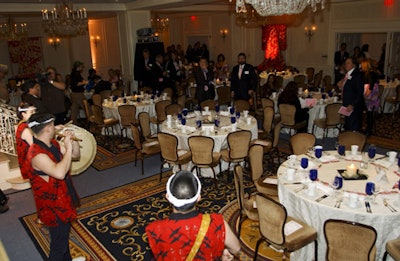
(291, 227)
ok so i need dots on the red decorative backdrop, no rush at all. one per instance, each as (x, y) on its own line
(27, 53)
(273, 42)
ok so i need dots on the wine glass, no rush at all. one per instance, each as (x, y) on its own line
(183, 121)
(341, 149)
(313, 174)
(370, 188)
(232, 110)
(371, 151)
(233, 119)
(180, 116)
(337, 185)
(237, 114)
(217, 108)
(185, 112)
(198, 124)
(304, 163)
(216, 122)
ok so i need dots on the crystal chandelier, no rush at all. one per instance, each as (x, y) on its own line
(278, 7)
(250, 18)
(159, 24)
(64, 21)
(12, 31)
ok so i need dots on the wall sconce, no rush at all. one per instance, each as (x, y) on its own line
(223, 33)
(95, 39)
(309, 31)
(54, 42)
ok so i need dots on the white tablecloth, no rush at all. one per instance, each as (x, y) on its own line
(305, 208)
(287, 77)
(219, 137)
(110, 110)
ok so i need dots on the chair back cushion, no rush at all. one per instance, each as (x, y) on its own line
(268, 119)
(202, 149)
(238, 176)
(332, 115)
(96, 98)
(169, 91)
(277, 132)
(127, 113)
(272, 219)
(238, 143)
(144, 123)
(310, 73)
(160, 109)
(267, 103)
(210, 103)
(87, 109)
(136, 137)
(241, 105)
(224, 95)
(256, 153)
(168, 145)
(299, 78)
(302, 142)
(287, 112)
(349, 240)
(349, 138)
(181, 100)
(105, 94)
(98, 114)
(173, 109)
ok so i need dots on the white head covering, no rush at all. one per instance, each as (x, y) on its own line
(181, 202)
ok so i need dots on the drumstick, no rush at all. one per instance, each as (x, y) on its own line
(73, 138)
(68, 123)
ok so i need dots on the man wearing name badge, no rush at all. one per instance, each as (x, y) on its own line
(158, 74)
(352, 95)
(204, 77)
(244, 79)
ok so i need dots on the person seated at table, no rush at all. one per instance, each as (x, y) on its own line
(205, 88)
(222, 69)
(100, 85)
(289, 96)
(178, 236)
(268, 88)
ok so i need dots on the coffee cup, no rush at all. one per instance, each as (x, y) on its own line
(169, 117)
(335, 99)
(273, 95)
(392, 156)
(290, 174)
(312, 189)
(353, 199)
(321, 101)
(248, 121)
(142, 93)
(245, 113)
(354, 149)
(206, 109)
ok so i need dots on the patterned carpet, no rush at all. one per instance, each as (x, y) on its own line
(110, 225)
(387, 134)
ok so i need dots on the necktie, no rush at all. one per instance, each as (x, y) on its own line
(240, 71)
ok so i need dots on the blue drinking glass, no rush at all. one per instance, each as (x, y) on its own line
(313, 174)
(304, 163)
(152, 97)
(114, 98)
(232, 110)
(138, 99)
(233, 119)
(370, 188)
(183, 121)
(198, 124)
(341, 150)
(216, 122)
(371, 151)
(338, 182)
(238, 114)
(185, 112)
(324, 96)
(217, 108)
(318, 152)
(180, 116)
(124, 100)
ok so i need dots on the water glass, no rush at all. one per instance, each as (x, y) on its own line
(313, 174)
(371, 151)
(341, 150)
(216, 122)
(233, 119)
(304, 163)
(185, 112)
(232, 110)
(216, 108)
(237, 114)
(180, 116)
(183, 121)
(318, 151)
(370, 188)
(337, 182)
(198, 124)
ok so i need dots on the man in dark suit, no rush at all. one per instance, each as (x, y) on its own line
(204, 77)
(352, 95)
(31, 95)
(244, 79)
(340, 57)
(100, 85)
(158, 74)
(143, 71)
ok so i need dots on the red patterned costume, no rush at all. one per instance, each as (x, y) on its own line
(53, 198)
(22, 149)
(172, 238)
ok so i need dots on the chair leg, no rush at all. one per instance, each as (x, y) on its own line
(161, 168)
(315, 250)
(142, 165)
(136, 155)
(256, 250)
(385, 256)
(215, 178)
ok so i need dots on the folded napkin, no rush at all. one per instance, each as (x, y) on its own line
(206, 113)
(328, 158)
(326, 189)
(190, 128)
(224, 113)
(291, 227)
(190, 115)
(353, 157)
(271, 181)
(383, 163)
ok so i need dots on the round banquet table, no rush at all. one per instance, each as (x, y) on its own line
(287, 77)
(219, 136)
(300, 205)
(110, 110)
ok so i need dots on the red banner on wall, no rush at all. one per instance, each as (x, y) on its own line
(27, 53)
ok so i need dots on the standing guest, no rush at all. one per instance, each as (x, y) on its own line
(357, 53)
(222, 69)
(371, 93)
(143, 70)
(178, 67)
(100, 85)
(3, 202)
(4, 94)
(31, 95)
(204, 77)
(340, 57)
(158, 74)
(244, 79)
(352, 95)
(381, 62)
(53, 96)
(77, 89)
(187, 234)
(204, 52)
(169, 67)
(289, 96)
(49, 174)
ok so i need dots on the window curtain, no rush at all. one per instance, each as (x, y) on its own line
(27, 53)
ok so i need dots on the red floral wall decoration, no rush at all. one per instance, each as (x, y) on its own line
(273, 42)
(27, 53)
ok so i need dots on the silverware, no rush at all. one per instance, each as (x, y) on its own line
(321, 198)
(338, 203)
(301, 188)
(368, 207)
(293, 183)
(380, 158)
(386, 204)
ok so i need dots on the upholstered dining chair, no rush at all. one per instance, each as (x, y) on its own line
(349, 138)
(310, 74)
(101, 122)
(192, 101)
(160, 113)
(246, 204)
(116, 92)
(256, 154)
(348, 240)
(224, 95)
(300, 78)
(241, 105)
(170, 153)
(105, 94)
(331, 121)
(317, 80)
(203, 155)
(147, 147)
(173, 109)
(278, 82)
(395, 100)
(272, 220)
(88, 114)
(210, 103)
(169, 91)
(127, 114)
(96, 98)
(266, 102)
(301, 143)
(181, 100)
(287, 113)
(146, 89)
(144, 124)
(238, 143)
(393, 249)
